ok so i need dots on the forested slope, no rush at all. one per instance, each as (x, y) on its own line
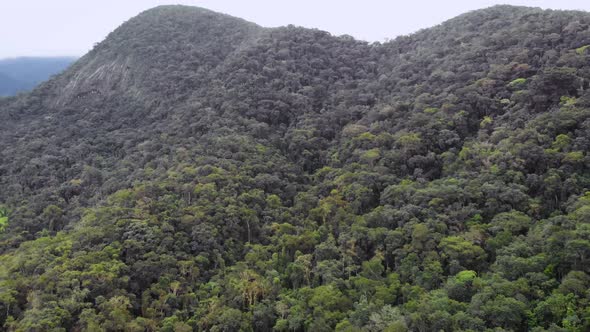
(196, 171)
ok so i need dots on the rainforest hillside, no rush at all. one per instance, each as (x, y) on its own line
(195, 171)
(24, 73)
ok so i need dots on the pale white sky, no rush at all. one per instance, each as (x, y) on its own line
(71, 27)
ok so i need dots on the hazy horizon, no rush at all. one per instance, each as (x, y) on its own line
(70, 28)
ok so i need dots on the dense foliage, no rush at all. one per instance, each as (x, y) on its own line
(198, 172)
(24, 73)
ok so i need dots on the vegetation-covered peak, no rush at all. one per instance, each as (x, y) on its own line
(177, 24)
(197, 172)
(177, 11)
(146, 50)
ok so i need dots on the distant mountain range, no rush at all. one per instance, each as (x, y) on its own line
(24, 73)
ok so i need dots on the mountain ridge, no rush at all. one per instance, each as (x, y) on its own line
(198, 172)
(197, 12)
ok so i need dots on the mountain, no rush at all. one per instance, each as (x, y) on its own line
(9, 85)
(195, 171)
(24, 73)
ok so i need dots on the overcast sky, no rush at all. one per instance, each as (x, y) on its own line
(71, 27)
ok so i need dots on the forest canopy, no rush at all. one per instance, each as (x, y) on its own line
(195, 171)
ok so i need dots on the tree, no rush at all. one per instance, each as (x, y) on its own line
(466, 253)
(3, 218)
